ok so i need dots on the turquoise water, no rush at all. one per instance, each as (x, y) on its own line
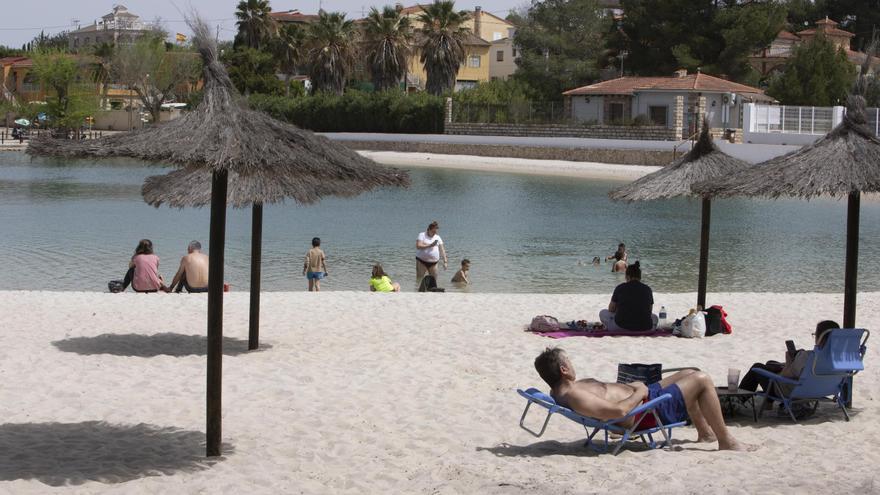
(74, 225)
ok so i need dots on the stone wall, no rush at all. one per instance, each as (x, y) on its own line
(620, 156)
(646, 133)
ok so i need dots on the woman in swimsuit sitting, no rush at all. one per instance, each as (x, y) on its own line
(429, 249)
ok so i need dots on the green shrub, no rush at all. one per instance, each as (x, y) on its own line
(356, 111)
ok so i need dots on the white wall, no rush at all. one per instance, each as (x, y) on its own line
(644, 100)
(584, 111)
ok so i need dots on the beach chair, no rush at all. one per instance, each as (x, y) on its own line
(535, 396)
(825, 376)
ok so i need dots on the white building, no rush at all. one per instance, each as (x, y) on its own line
(671, 102)
(118, 27)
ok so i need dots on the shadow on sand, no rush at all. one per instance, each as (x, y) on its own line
(160, 344)
(60, 454)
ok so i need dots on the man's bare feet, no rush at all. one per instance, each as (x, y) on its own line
(708, 438)
(732, 444)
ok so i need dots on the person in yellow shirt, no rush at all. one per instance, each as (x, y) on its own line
(379, 282)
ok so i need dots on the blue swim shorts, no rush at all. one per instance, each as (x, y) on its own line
(670, 411)
(315, 275)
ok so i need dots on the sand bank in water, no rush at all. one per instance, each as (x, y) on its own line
(384, 393)
(588, 170)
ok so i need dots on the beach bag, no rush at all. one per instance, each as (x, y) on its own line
(544, 323)
(694, 326)
(115, 286)
(429, 284)
(638, 372)
(716, 321)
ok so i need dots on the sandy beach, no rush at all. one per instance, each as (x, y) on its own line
(560, 168)
(385, 393)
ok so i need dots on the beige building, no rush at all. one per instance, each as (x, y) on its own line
(118, 27)
(774, 57)
(502, 58)
(480, 56)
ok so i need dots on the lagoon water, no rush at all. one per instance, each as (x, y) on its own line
(73, 226)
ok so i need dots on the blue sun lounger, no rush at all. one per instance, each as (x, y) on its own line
(535, 396)
(825, 376)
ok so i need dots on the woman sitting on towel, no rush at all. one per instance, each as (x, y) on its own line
(631, 305)
(379, 282)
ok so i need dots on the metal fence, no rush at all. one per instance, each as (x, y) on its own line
(874, 120)
(526, 112)
(794, 120)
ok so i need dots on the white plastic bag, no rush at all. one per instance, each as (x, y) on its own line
(694, 325)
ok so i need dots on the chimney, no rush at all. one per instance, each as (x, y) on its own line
(478, 11)
(681, 73)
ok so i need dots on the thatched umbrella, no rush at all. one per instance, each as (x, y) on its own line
(846, 162)
(265, 160)
(704, 162)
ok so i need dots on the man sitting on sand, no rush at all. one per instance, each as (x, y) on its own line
(693, 395)
(193, 271)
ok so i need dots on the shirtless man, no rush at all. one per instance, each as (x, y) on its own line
(693, 395)
(193, 271)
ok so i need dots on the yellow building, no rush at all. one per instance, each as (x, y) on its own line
(17, 82)
(484, 27)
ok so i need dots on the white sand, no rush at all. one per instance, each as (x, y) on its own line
(562, 168)
(384, 393)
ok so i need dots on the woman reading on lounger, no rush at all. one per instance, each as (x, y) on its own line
(631, 305)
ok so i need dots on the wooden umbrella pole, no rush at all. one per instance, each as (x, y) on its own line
(704, 252)
(851, 274)
(215, 311)
(256, 261)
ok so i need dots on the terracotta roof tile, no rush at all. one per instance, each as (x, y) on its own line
(293, 16)
(831, 31)
(786, 35)
(691, 82)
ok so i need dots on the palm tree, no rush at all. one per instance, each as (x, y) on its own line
(255, 25)
(332, 51)
(442, 45)
(102, 69)
(288, 48)
(388, 45)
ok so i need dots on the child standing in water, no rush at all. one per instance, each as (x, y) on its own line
(315, 266)
(461, 276)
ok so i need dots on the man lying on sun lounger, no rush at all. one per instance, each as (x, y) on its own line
(693, 395)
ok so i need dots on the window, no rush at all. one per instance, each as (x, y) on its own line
(474, 61)
(499, 56)
(615, 113)
(657, 115)
(514, 52)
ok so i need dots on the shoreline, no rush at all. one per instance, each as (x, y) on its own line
(556, 168)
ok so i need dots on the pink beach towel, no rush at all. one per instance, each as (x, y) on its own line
(604, 333)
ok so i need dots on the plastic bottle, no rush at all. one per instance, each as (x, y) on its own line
(661, 320)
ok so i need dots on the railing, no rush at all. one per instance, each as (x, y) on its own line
(511, 113)
(793, 120)
(873, 115)
(7, 95)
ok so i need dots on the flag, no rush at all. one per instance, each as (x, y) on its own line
(181, 38)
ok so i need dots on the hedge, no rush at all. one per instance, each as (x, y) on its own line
(356, 111)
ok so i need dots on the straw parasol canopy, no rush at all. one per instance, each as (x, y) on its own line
(224, 146)
(704, 162)
(846, 162)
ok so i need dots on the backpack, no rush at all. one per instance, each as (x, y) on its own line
(429, 284)
(544, 323)
(716, 321)
(116, 286)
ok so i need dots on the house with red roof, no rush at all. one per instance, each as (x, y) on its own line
(671, 102)
(774, 57)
